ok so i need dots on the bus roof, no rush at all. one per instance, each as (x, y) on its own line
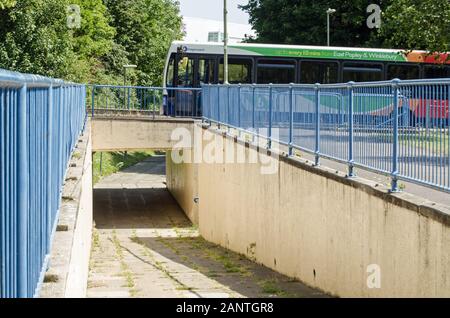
(312, 52)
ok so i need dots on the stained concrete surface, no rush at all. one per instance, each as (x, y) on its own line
(144, 246)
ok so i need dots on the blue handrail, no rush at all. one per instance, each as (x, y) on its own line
(40, 121)
(397, 128)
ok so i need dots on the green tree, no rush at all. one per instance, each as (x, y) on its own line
(304, 21)
(39, 36)
(406, 24)
(145, 29)
(417, 24)
(7, 4)
(95, 37)
(92, 42)
(34, 38)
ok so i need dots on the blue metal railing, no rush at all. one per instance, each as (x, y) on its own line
(397, 128)
(40, 121)
(151, 101)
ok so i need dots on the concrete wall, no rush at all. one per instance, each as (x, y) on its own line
(134, 133)
(183, 184)
(69, 259)
(320, 227)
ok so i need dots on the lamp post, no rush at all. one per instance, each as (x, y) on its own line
(225, 43)
(125, 67)
(329, 12)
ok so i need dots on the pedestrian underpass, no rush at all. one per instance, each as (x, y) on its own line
(260, 190)
(145, 246)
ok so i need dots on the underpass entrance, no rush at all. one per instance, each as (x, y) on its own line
(145, 246)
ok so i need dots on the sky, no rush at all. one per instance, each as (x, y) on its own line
(213, 9)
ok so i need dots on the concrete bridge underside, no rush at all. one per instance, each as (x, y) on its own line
(136, 133)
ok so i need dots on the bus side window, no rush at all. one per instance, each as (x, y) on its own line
(403, 72)
(186, 72)
(239, 71)
(362, 72)
(313, 72)
(206, 71)
(436, 71)
(170, 72)
(276, 71)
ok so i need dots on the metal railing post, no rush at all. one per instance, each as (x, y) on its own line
(93, 100)
(269, 140)
(317, 125)
(253, 112)
(351, 170)
(228, 121)
(197, 107)
(239, 110)
(49, 162)
(394, 175)
(101, 164)
(210, 105)
(22, 197)
(128, 92)
(291, 119)
(218, 106)
(154, 104)
(3, 195)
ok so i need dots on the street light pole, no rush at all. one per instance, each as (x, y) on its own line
(125, 67)
(329, 12)
(225, 43)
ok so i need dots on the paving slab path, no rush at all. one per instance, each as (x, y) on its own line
(144, 246)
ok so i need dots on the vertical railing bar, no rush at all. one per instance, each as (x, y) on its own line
(447, 103)
(253, 112)
(317, 125)
(154, 104)
(269, 135)
(394, 173)
(239, 110)
(49, 161)
(93, 100)
(128, 95)
(22, 188)
(441, 126)
(229, 120)
(218, 106)
(351, 172)
(291, 119)
(3, 238)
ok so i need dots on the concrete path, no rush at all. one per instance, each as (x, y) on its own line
(144, 246)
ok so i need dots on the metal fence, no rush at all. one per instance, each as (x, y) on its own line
(40, 121)
(397, 128)
(149, 101)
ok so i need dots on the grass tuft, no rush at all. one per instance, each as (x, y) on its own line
(113, 162)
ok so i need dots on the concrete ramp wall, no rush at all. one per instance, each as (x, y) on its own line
(348, 237)
(183, 184)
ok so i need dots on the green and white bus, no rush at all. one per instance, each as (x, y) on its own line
(190, 65)
(194, 64)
